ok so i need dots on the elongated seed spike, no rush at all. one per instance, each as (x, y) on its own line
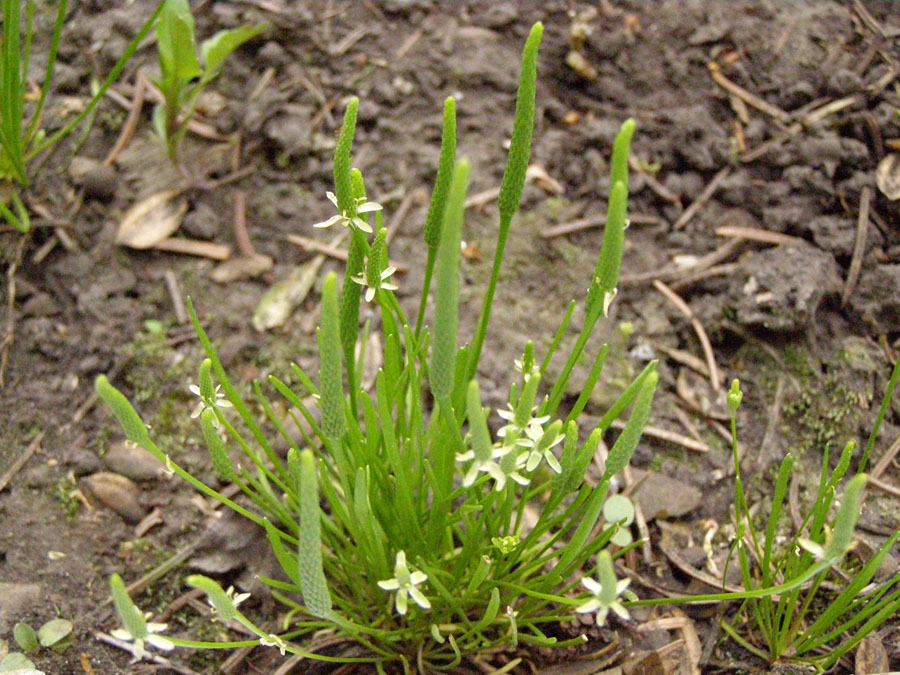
(352, 291)
(606, 274)
(342, 184)
(621, 151)
(526, 401)
(376, 262)
(331, 385)
(293, 460)
(625, 445)
(523, 126)
(217, 452)
(207, 390)
(481, 437)
(218, 598)
(528, 358)
(446, 322)
(608, 581)
(132, 617)
(316, 596)
(132, 424)
(444, 176)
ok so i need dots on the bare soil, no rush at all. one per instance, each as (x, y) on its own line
(813, 356)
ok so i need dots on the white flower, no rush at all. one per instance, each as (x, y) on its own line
(507, 467)
(510, 416)
(219, 402)
(405, 582)
(606, 591)
(383, 283)
(489, 466)
(541, 443)
(350, 218)
(148, 637)
(272, 640)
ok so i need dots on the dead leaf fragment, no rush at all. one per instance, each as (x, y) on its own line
(887, 176)
(283, 298)
(242, 267)
(152, 220)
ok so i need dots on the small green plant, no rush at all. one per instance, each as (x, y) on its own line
(55, 634)
(21, 139)
(809, 623)
(182, 78)
(788, 611)
(399, 519)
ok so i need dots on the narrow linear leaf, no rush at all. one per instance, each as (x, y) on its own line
(846, 519)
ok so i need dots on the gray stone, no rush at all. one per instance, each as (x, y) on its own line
(664, 497)
(780, 289)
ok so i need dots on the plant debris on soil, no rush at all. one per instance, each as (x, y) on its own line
(764, 245)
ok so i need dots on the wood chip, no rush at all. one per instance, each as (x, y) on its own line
(201, 249)
(756, 234)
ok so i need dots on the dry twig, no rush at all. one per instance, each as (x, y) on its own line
(671, 296)
(134, 117)
(859, 245)
(704, 197)
(756, 234)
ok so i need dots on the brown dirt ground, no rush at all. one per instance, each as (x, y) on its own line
(813, 367)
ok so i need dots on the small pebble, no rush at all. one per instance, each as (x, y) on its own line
(132, 461)
(116, 492)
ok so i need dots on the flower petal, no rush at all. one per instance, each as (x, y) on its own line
(332, 198)
(389, 584)
(420, 598)
(592, 585)
(328, 223)
(368, 207)
(360, 224)
(401, 601)
(591, 605)
(553, 462)
(161, 642)
(418, 577)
